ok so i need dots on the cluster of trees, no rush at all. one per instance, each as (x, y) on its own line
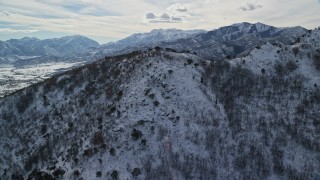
(246, 95)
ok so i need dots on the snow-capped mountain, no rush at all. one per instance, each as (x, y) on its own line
(158, 35)
(50, 47)
(166, 115)
(144, 41)
(34, 51)
(236, 40)
(261, 30)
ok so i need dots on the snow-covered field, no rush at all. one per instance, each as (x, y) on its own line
(12, 78)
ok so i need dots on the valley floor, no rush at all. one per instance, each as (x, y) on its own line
(12, 78)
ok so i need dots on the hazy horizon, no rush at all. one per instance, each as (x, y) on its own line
(106, 21)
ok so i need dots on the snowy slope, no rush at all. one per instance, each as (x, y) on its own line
(300, 56)
(165, 115)
(151, 102)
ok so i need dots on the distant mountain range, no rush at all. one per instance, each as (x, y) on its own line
(228, 41)
(236, 40)
(29, 48)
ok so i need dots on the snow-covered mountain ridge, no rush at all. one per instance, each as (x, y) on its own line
(158, 35)
(260, 29)
(48, 47)
(235, 40)
(228, 41)
(166, 115)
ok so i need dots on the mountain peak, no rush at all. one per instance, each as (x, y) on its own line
(24, 39)
(30, 38)
(165, 30)
(259, 27)
(73, 37)
(241, 24)
(158, 35)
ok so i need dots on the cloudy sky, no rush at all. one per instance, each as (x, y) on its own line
(110, 20)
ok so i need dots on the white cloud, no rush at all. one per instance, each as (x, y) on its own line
(250, 7)
(177, 7)
(164, 18)
(9, 30)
